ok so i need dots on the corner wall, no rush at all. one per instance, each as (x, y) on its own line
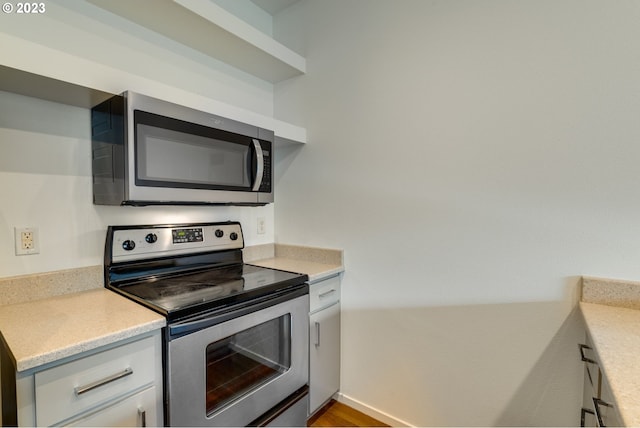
(473, 159)
(45, 182)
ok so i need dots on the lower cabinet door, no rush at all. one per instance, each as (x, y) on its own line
(324, 356)
(87, 383)
(139, 410)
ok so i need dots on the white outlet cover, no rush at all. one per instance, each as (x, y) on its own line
(35, 249)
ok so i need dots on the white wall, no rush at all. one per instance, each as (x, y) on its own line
(45, 147)
(45, 182)
(473, 159)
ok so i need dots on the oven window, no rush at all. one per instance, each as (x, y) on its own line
(242, 362)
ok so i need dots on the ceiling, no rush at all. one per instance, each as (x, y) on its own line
(274, 6)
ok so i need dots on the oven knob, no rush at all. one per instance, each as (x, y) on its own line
(233, 236)
(128, 245)
(219, 233)
(151, 238)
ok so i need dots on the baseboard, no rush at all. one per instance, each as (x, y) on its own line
(368, 410)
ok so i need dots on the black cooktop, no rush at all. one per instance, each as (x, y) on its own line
(176, 296)
(187, 270)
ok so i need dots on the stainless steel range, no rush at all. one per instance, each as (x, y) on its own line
(236, 341)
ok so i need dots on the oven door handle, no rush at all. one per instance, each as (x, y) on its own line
(210, 319)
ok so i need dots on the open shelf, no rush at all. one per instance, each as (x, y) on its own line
(46, 88)
(210, 29)
(59, 91)
(32, 68)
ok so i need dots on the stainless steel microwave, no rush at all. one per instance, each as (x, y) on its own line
(148, 152)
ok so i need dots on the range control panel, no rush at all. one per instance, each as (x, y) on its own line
(139, 243)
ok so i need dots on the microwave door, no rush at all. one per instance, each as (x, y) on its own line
(170, 158)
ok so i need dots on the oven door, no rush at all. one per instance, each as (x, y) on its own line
(231, 373)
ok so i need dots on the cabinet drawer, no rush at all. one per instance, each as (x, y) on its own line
(80, 385)
(324, 293)
(136, 411)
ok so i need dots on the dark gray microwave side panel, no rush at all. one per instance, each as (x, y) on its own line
(108, 151)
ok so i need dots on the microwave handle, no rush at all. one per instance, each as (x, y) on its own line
(260, 165)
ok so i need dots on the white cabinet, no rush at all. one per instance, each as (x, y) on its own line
(118, 385)
(324, 342)
(597, 403)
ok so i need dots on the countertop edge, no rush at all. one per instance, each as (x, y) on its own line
(328, 274)
(35, 361)
(318, 263)
(315, 271)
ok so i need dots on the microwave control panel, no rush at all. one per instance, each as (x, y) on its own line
(265, 186)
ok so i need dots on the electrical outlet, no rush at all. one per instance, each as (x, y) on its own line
(27, 241)
(261, 226)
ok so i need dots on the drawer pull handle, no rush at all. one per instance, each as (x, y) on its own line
(317, 334)
(142, 414)
(79, 390)
(583, 357)
(326, 293)
(583, 416)
(596, 404)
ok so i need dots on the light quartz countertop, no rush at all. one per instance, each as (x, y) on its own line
(609, 308)
(317, 263)
(316, 271)
(47, 330)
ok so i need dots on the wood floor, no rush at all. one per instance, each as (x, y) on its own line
(335, 414)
